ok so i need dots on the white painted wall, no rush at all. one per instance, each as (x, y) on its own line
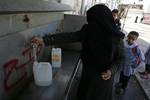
(146, 6)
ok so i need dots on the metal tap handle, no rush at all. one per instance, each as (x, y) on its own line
(34, 51)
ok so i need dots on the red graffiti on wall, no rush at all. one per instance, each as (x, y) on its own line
(13, 65)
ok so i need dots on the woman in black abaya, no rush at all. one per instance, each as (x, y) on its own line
(99, 48)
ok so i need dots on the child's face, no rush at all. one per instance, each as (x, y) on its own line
(115, 15)
(131, 39)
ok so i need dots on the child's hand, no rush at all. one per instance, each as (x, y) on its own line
(106, 75)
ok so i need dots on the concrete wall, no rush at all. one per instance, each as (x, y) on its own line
(15, 53)
(14, 23)
(72, 23)
(75, 5)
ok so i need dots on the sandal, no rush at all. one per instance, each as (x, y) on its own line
(144, 76)
(142, 73)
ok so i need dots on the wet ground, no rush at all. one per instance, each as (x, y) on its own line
(133, 91)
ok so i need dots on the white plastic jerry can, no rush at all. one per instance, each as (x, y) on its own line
(42, 73)
(56, 57)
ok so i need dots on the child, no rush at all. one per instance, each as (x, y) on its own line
(147, 64)
(133, 56)
(115, 13)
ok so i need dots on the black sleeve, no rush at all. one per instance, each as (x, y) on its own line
(118, 57)
(62, 38)
(66, 37)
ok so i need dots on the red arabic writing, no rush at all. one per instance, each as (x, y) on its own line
(13, 65)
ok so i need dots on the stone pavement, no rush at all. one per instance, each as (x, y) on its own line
(144, 83)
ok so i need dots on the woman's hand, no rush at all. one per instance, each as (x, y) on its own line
(37, 41)
(106, 75)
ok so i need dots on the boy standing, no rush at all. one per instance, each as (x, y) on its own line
(133, 56)
(116, 18)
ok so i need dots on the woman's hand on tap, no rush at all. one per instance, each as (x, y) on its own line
(37, 41)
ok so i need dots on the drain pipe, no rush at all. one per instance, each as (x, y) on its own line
(82, 7)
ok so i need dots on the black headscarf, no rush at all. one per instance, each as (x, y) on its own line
(102, 15)
(98, 45)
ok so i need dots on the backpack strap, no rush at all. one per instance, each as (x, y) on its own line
(134, 50)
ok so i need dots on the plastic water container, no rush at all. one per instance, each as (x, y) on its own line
(42, 72)
(56, 57)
